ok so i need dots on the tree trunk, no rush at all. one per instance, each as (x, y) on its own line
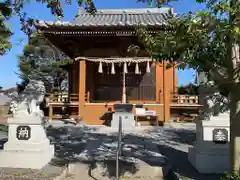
(233, 59)
(234, 109)
(235, 131)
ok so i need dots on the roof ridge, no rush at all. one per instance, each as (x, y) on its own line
(162, 10)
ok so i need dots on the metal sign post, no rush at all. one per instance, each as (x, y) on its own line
(119, 148)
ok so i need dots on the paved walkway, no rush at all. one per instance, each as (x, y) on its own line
(3, 120)
(80, 172)
(172, 140)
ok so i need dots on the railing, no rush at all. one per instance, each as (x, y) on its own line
(184, 99)
(74, 98)
(63, 98)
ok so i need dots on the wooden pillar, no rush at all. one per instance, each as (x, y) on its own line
(174, 80)
(74, 77)
(82, 86)
(69, 81)
(159, 83)
(90, 81)
(166, 93)
(124, 96)
(50, 112)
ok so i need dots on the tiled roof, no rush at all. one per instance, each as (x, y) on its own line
(115, 18)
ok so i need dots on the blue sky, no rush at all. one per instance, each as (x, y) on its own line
(9, 69)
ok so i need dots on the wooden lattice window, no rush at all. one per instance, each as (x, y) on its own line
(108, 87)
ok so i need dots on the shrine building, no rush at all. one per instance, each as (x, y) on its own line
(104, 72)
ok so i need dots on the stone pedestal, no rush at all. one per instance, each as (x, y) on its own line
(128, 121)
(210, 154)
(27, 145)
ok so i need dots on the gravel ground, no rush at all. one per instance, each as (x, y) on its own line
(3, 120)
(173, 141)
(49, 172)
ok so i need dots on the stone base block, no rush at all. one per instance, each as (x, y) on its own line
(136, 170)
(128, 121)
(27, 146)
(26, 159)
(208, 161)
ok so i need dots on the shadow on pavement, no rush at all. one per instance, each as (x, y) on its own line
(71, 141)
(182, 166)
(169, 145)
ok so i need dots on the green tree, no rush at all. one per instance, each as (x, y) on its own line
(190, 89)
(9, 8)
(207, 41)
(41, 60)
(5, 33)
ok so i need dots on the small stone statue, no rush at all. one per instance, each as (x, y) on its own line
(27, 140)
(214, 104)
(217, 105)
(27, 102)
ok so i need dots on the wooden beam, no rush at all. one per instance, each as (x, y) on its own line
(58, 41)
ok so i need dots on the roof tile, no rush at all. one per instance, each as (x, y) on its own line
(111, 18)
